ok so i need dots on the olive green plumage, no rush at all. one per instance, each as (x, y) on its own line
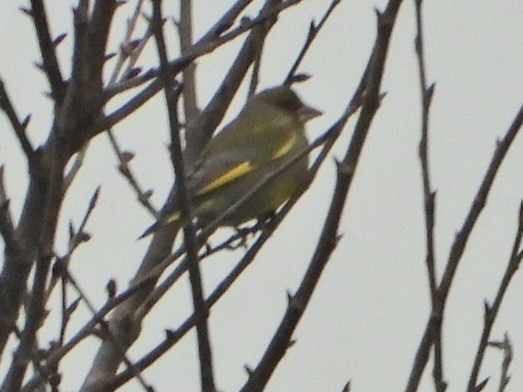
(268, 133)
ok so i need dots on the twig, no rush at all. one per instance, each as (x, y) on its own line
(172, 337)
(6, 222)
(124, 53)
(491, 311)
(18, 127)
(105, 330)
(226, 21)
(123, 165)
(77, 238)
(47, 49)
(98, 319)
(313, 32)
(124, 168)
(201, 48)
(506, 347)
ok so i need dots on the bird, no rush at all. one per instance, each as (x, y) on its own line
(267, 134)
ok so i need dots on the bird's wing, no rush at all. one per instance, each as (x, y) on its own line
(222, 168)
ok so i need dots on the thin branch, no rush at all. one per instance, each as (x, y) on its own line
(226, 21)
(185, 27)
(107, 360)
(98, 319)
(429, 195)
(122, 57)
(281, 340)
(77, 238)
(491, 311)
(47, 49)
(106, 333)
(313, 32)
(506, 347)
(201, 48)
(6, 222)
(18, 126)
(457, 249)
(124, 157)
(200, 309)
(327, 140)
(125, 46)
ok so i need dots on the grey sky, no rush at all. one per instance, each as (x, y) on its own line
(369, 310)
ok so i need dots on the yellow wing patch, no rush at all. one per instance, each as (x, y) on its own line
(231, 175)
(173, 218)
(286, 147)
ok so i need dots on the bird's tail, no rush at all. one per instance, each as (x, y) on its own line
(151, 229)
(171, 219)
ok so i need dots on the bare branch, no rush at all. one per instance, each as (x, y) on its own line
(200, 309)
(329, 237)
(429, 195)
(35, 314)
(202, 47)
(226, 21)
(78, 237)
(6, 223)
(124, 53)
(124, 168)
(47, 48)
(458, 247)
(313, 32)
(106, 332)
(18, 126)
(492, 311)
(98, 319)
(506, 347)
(189, 74)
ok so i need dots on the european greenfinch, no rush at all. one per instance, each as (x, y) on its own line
(268, 133)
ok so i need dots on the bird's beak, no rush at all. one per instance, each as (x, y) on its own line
(306, 113)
